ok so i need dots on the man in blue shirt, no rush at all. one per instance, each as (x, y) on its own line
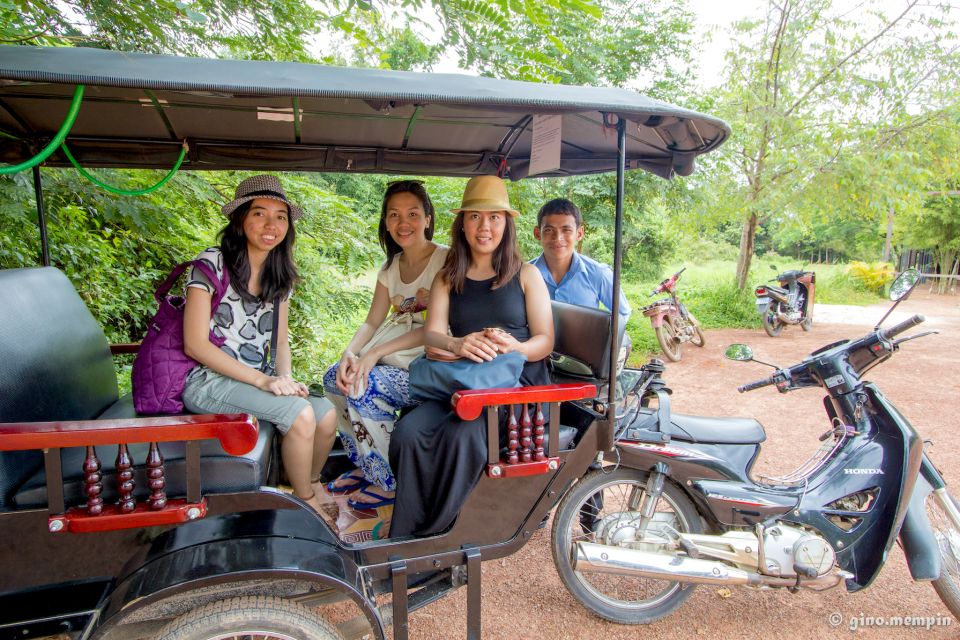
(570, 276)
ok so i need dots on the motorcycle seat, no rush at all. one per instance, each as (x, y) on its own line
(716, 430)
(644, 426)
(781, 290)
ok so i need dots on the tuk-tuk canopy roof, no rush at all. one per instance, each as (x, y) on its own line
(138, 109)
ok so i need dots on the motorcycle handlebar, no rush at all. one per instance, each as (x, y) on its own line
(750, 386)
(886, 334)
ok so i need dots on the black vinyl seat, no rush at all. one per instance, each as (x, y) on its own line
(699, 428)
(55, 365)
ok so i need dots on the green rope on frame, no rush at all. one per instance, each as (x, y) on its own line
(57, 139)
(127, 192)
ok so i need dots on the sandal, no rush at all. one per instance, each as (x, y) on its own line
(382, 501)
(359, 482)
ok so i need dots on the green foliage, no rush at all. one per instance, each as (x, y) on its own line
(818, 98)
(871, 276)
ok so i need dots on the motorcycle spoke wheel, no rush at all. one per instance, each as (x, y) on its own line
(606, 501)
(668, 339)
(698, 338)
(250, 618)
(771, 324)
(947, 535)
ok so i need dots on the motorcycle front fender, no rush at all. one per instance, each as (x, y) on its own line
(916, 535)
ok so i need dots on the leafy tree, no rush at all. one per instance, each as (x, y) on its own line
(808, 87)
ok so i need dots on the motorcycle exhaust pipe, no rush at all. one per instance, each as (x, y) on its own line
(589, 557)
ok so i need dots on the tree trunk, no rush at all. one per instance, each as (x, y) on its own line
(747, 240)
(945, 259)
(887, 245)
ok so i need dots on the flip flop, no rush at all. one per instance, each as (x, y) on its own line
(382, 502)
(359, 483)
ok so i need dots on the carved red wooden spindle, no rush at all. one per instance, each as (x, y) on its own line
(525, 432)
(538, 454)
(93, 486)
(155, 479)
(125, 481)
(513, 437)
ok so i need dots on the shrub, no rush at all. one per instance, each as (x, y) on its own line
(872, 276)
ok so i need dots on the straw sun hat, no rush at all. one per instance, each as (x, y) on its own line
(486, 193)
(262, 186)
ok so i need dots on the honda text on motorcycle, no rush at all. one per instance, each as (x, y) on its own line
(680, 508)
(671, 321)
(789, 303)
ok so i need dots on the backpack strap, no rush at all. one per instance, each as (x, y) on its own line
(271, 363)
(219, 284)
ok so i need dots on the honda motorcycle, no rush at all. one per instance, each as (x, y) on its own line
(789, 303)
(671, 321)
(680, 508)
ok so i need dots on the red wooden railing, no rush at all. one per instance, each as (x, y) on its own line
(525, 454)
(237, 434)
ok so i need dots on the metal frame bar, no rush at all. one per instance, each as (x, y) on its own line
(41, 218)
(608, 426)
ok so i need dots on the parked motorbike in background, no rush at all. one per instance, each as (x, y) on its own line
(789, 303)
(671, 321)
(681, 508)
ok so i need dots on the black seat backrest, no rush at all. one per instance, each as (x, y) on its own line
(55, 363)
(583, 333)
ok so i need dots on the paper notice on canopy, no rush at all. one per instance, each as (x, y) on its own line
(545, 146)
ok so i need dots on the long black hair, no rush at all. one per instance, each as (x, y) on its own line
(415, 187)
(506, 257)
(279, 272)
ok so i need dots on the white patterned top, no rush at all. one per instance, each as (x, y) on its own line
(247, 326)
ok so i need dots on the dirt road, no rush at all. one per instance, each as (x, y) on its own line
(524, 598)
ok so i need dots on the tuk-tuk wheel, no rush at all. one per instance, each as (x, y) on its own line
(266, 617)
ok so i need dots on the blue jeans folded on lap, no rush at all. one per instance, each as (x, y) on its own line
(438, 380)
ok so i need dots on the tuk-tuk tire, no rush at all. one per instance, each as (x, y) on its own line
(262, 616)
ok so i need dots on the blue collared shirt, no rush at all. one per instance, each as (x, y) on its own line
(588, 283)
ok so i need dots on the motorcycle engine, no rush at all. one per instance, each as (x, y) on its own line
(785, 546)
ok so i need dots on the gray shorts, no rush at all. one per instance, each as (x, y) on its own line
(207, 391)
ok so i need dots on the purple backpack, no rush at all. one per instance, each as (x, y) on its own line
(161, 367)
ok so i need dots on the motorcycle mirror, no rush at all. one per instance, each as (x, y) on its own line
(774, 267)
(899, 290)
(904, 284)
(741, 352)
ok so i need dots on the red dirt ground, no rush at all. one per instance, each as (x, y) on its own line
(524, 598)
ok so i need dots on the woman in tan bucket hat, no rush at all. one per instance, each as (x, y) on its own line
(494, 303)
(256, 256)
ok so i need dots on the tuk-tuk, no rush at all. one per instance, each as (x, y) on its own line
(203, 544)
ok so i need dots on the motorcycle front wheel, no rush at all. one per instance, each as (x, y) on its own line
(667, 337)
(771, 324)
(608, 501)
(947, 534)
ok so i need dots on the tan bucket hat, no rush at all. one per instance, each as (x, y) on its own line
(486, 193)
(262, 186)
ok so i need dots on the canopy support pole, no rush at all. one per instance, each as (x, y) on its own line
(41, 217)
(608, 428)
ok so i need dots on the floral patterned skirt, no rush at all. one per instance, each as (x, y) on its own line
(366, 422)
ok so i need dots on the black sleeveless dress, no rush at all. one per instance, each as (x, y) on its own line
(436, 457)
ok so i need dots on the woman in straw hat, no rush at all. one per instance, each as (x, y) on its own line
(256, 252)
(493, 303)
(371, 383)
